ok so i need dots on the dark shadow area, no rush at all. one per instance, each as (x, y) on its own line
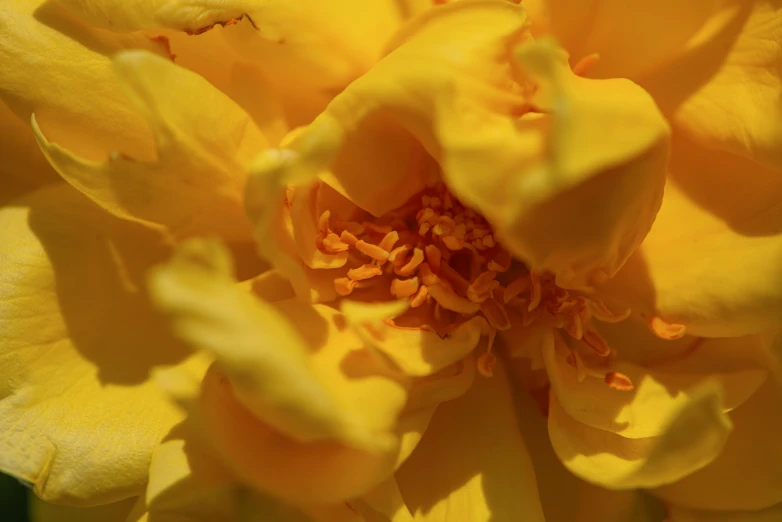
(13, 500)
(99, 265)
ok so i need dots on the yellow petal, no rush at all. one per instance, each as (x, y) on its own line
(713, 260)
(627, 36)
(599, 145)
(60, 69)
(658, 390)
(693, 437)
(680, 514)
(79, 416)
(585, 502)
(41, 511)
(416, 351)
(725, 92)
(309, 47)
(745, 476)
(204, 142)
(472, 464)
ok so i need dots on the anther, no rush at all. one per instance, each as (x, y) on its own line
(618, 381)
(404, 287)
(416, 259)
(373, 251)
(364, 272)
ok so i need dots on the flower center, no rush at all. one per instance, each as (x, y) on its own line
(445, 259)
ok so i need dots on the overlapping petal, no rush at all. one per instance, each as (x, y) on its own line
(771, 514)
(79, 416)
(693, 437)
(713, 259)
(472, 463)
(60, 69)
(195, 185)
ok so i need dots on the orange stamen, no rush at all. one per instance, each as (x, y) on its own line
(448, 299)
(595, 341)
(536, 293)
(480, 289)
(585, 63)
(419, 298)
(433, 257)
(485, 364)
(389, 241)
(522, 284)
(323, 222)
(364, 272)
(618, 381)
(344, 286)
(404, 287)
(373, 251)
(495, 313)
(333, 244)
(664, 330)
(416, 259)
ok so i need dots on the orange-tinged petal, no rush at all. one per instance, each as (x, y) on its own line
(60, 69)
(745, 476)
(682, 514)
(713, 259)
(693, 437)
(79, 416)
(195, 185)
(472, 464)
(725, 91)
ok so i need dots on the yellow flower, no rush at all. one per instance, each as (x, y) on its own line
(509, 254)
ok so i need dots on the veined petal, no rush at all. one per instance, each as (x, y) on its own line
(725, 90)
(745, 476)
(472, 463)
(659, 391)
(60, 69)
(713, 259)
(204, 142)
(573, 188)
(79, 416)
(693, 438)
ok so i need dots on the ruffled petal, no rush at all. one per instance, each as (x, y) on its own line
(60, 69)
(725, 90)
(205, 143)
(713, 259)
(693, 438)
(472, 464)
(746, 475)
(79, 416)
(294, 405)
(573, 190)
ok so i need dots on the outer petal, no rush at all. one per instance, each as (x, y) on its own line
(204, 141)
(725, 90)
(56, 67)
(472, 464)
(746, 474)
(713, 260)
(310, 49)
(40, 511)
(694, 436)
(78, 416)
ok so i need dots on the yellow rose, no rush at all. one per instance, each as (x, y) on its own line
(457, 217)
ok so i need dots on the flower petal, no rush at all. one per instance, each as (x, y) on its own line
(60, 69)
(726, 92)
(195, 185)
(694, 436)
(658, 391)
(41, 511)
(572, 191)
(626, 35)
(472, 464)
(309, 47)
(79, 416)
(745, 476)
(713, 259)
